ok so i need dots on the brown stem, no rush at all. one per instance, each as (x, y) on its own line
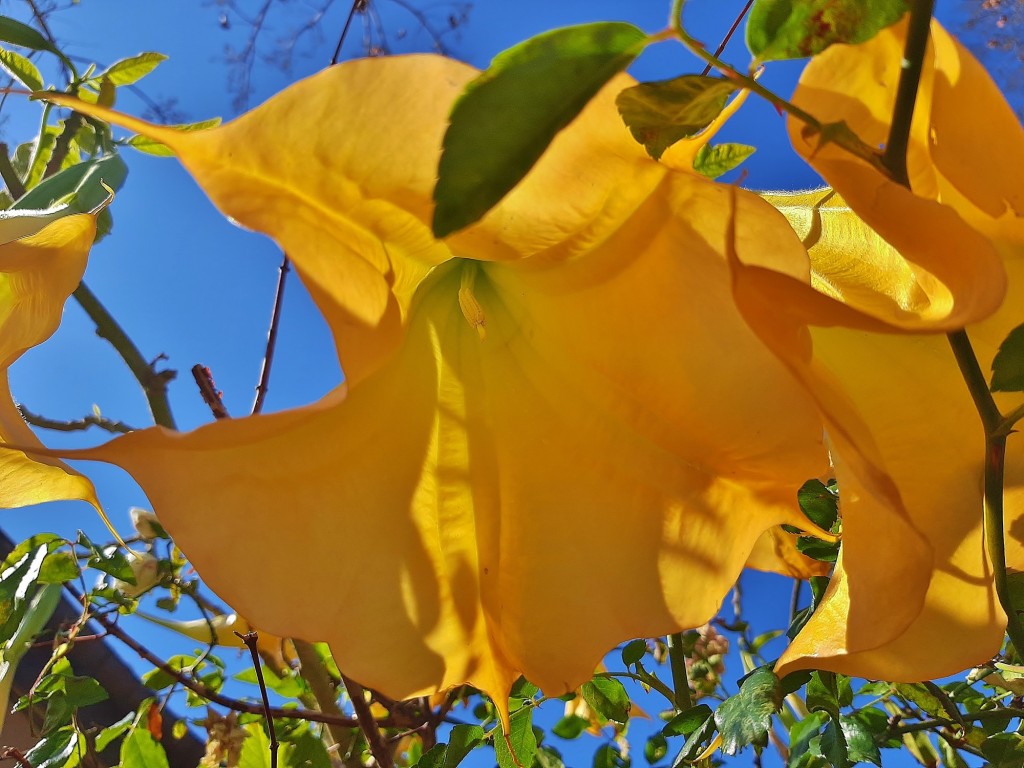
(251, 639)
(728, 36)
(200, 689)
(74, 425)
(367, 724)
(275, 321)
(211, 395)
(63, 144)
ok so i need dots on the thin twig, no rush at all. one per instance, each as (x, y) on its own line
(210, 394)
(10, 753)
(367, 724)
(75, 425)
(251, 639)
(153, 382)
(357, 6)
(794, 600)
(62, 145)
(728, 35)
(275, 321)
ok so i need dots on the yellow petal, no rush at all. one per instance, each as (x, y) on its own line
(904, 434)
(38, 272)
(573, 406)
(948, 271)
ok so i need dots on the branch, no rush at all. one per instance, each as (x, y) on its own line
(200, 689)
(251, 639)
(75, 425)
(370, 727)
(211, 395)
(14, 184)
(275, 321)
(153, 382)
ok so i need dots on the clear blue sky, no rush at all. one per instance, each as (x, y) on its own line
(186, 283)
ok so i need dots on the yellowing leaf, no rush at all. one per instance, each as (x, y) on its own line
(912, 595)
(557, 432)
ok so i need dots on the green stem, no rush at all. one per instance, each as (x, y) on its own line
(680, 682)
(649, 680)
(1010, 420)
(895, 156)
(313, 672)
(9, 175)
(995, 455)
(845, 139)
(154, 384)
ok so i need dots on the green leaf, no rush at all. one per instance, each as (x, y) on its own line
(522, 739)
(716, 160)
(818, 549)
(659, 114)
(507, 116)
(131, 70)
(918, 694)
(820, 503)
(54, 750)
(78, 185)
(113, 563)
(570, 727)
(655, 749)
(308, 751)
(697, 739)
(608, 697)
(463, 740)
(255, 748)
(834, 747)
(21, 69)
(290, 687)
(153, 147)
(1008, 364)
(818, 586)
(685, 723)
(633, 652)
(610, 756)
(746, 717)
(823, 694)
(802, 732)
(860, 743)
(1004, 750)
(794, 29)
(113, 732)
(17, 33)
(433, 757)
(141, 750)
(548, 757)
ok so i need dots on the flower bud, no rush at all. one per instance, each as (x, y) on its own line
(145, 523)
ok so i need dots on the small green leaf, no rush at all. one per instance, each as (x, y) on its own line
(522, 739)
(21, 69)
(818, 549)
(1008, 364)
(608, 697)
(823, 694)
(153, 147)
(291, 686)
(308, 751)
(548, 757)
(141, 750)
(689, 721)
(1004, 750)
(633, 652)
(610, 756)
(746, 717)
(819, 502)
(716, 160)
(659, 114)
(802, 732)
(112, 563)
(655, 749)
(794, 29)
(433, 757)
(507, 116)
(131, 70)
(860, 743)
(113, 732)
(570, 727)
(918, 694)
(834, 746)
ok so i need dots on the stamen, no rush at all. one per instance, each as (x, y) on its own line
(471, 308)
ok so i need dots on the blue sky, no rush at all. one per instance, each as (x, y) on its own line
(188, 284)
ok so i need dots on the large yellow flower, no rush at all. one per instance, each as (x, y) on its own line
(912, 597)
(556, 432)
(42, 258)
